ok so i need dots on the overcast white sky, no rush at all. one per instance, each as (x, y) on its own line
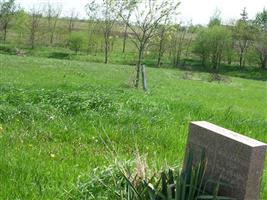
(199, 11)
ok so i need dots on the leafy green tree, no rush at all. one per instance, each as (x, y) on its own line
(261, 37)
(33, 25)
(261, 49)
(52, 14)
(244, 14)
(201, 46)
(106, 16)
(261, 20)
(7, 10)
(215, 20)
(20, 25)
(243, 35)
(212, 44)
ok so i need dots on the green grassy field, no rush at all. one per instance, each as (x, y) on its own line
(58, 117)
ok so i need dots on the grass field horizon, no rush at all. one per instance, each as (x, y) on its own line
(57, 115)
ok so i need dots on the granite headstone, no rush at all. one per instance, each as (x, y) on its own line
(232, 158)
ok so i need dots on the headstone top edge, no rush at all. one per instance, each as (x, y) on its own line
(229, 134)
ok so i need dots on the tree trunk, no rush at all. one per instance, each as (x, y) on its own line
(229, 61)
(124, 39)
(139, 65)
(178, 58)
(187, 48)
(161, 47)
(52, 38)
(106, 54)
(241, 59)
(144, 78)
(89, 45)
(32, 40)
(72, 19)
(214, 62)
(160, 53)
(159, 60)
(53, 31)
(5, 33)
(137, 76)
(32, 45)
(219, 62)
(141, 69)
(264, 62)
(180, 49)
(106, 48)
(203, 60)
(70, 26)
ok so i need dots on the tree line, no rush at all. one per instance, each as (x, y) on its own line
(144, 26)
(218, 42)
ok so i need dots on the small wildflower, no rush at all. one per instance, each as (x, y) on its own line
(52, 155)
(1, 128)
(151, 186)
(52, 117)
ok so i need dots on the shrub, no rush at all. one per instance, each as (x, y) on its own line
(76, 42)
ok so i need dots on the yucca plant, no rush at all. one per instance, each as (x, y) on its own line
(122, 181)
(171, 185)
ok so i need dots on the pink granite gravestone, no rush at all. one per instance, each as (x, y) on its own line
(232, 158)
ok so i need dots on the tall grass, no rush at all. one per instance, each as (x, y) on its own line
(55, 115)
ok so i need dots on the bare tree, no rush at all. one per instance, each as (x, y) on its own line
(92, 12)
(162, 40)
(106, 17)
(148, 15)
(34, 25)
(131, 5)
(180, 35)
(107, 26)
(191, 30)
(52, 14)
(73, 16)
(7, 10)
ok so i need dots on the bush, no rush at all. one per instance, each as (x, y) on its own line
(76, 42)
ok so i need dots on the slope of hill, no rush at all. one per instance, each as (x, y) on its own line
(57, 118)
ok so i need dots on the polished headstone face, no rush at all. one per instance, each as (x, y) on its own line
(232, 158)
